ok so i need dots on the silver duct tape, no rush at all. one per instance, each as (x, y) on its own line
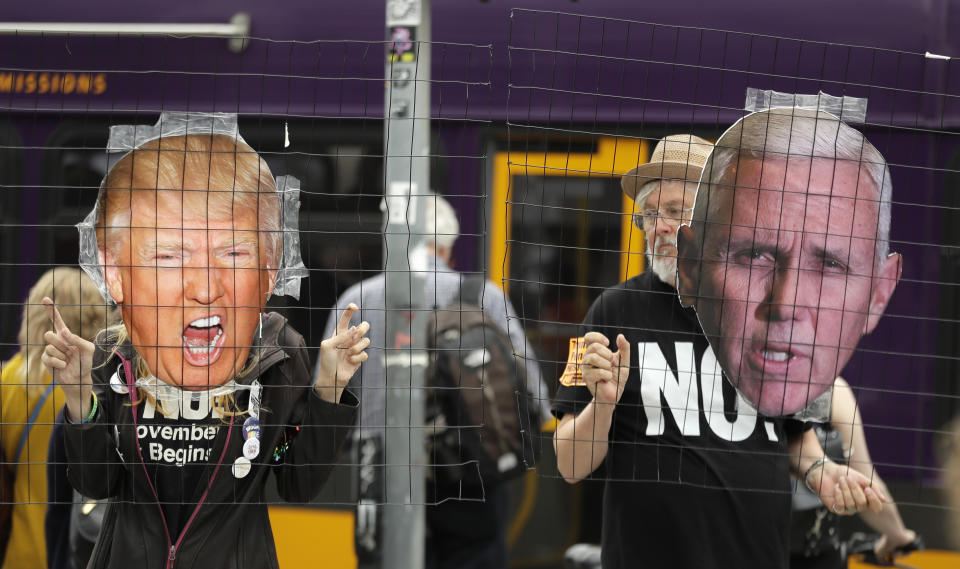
(848, 109)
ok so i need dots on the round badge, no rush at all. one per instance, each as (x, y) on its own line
(251, 448)
(251, 428)
(241, 467)
(116, 385)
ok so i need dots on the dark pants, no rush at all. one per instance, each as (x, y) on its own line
(468, 535)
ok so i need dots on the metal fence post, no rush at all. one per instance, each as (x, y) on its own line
(407, 180)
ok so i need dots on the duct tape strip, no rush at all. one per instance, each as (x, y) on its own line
(848, 109)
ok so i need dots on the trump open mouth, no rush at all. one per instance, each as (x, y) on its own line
(203, 341)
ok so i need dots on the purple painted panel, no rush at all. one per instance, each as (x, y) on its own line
(339, 68)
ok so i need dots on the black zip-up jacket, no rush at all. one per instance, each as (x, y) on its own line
(231, 529)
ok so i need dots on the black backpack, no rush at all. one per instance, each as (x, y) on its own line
(482, 421)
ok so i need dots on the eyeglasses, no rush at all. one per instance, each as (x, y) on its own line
(672, 214)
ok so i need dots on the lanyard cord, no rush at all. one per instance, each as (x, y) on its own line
(131, 388)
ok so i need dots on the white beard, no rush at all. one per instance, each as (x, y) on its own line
(664, 266)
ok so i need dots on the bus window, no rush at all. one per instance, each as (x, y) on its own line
(340, 222)
(75, 162)
(565, 248)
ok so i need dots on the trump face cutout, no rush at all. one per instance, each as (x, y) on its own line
(188, 229)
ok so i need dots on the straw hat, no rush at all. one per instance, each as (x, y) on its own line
(676, 157)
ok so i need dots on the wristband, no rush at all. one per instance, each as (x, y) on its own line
(817, 463)
(93, 409)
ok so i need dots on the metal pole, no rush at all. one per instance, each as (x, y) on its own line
(237, 30)
(407, 177)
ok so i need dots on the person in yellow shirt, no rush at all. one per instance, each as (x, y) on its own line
(29, 402)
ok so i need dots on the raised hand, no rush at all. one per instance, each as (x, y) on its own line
(845, 491)
(605, 372)
(69, 358)
(341, 356)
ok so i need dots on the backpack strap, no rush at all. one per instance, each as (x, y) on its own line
(471, 289)
(32, 420)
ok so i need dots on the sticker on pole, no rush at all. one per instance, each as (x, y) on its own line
(400, 208)
(403, 13)
(403, 48)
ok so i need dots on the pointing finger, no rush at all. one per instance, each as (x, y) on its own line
(54, 315)
(345, 318)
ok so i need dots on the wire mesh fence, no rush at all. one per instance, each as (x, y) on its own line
(562, 220)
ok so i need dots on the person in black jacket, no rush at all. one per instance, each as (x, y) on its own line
(179, 415)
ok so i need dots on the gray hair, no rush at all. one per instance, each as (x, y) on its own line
(644, 192)
(442, 227)
(796, 132)
(638, 200)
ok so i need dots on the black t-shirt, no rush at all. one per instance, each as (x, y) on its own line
(177, 449)
(694, 477)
